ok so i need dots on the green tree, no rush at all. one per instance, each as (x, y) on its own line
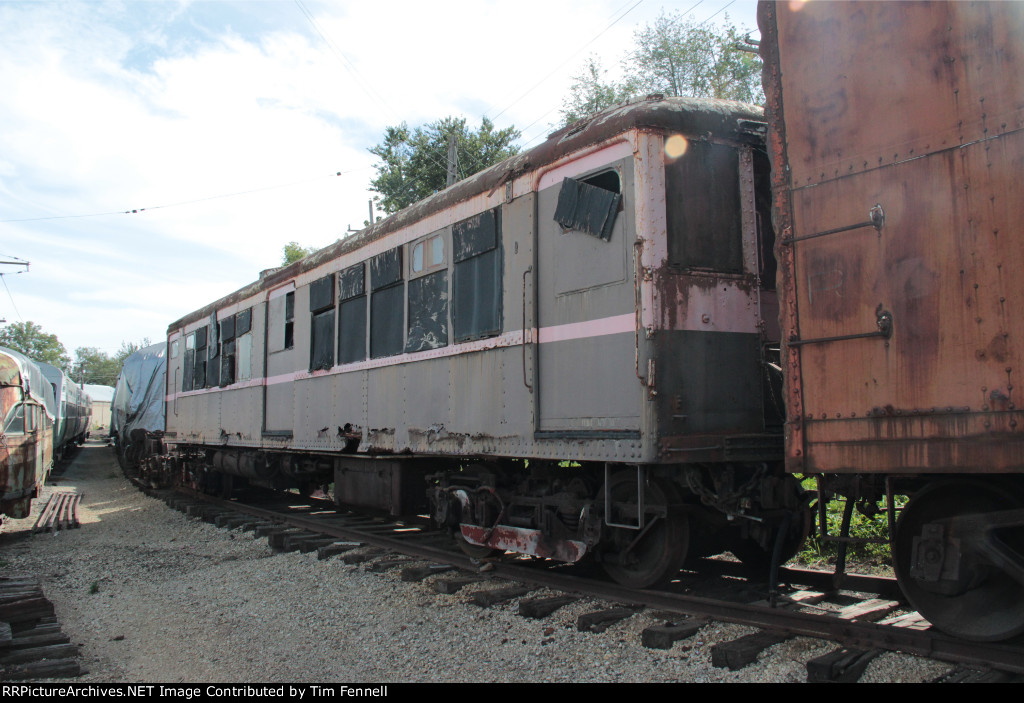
(129, 348)
(29, 339)
(95, 366)
(414, 163)
(293, 251)
(678, 57)
(591, 92)
(675, 56)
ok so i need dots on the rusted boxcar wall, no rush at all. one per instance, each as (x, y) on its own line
(896, 146)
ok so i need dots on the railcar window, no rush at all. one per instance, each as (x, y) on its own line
(428, 312)
(243, 322)
(243, 345)
(590, 205)
(243, 357)
(321, 307)
(189, 362)
(227, 351)
(213, 352)
(289, 320)
(15, 420)
(476, 284)
(427, 254)
(387, 304)
(352, 314)
(199, 368)
(175, 348)
(703, 213)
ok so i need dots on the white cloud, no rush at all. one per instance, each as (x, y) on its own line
(110, 107)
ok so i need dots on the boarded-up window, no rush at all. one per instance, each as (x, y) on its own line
(352, 314)
(212, 353)
(387, 304)
(703, 212)
(199, 368)
(243, 322)
(476, 284)
(428, 312)
(188, 363)
(589, 205)
(321, 307)
(227, 351)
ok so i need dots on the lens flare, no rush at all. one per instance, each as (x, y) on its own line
(675, 146)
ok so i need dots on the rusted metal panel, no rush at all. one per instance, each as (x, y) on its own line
(524, 541)
(26, 447)
(897, 144)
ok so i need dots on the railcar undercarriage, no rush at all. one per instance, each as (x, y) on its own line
(641, 522)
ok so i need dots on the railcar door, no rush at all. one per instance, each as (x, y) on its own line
(586, 306)
(279, 391)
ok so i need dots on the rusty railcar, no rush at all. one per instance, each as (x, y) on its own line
(897, 152)
(567, 353)
(26, 442)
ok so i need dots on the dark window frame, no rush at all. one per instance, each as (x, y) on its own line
(387, 304)
(352, 314)
(321, 328)
(477, 273)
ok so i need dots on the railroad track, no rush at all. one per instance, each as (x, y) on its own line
(864, 616)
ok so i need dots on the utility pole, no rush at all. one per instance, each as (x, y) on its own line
(453, 160)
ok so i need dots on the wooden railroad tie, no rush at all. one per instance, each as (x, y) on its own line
(60, 512)
(31, 643)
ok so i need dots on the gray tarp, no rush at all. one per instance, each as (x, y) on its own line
(139, 396)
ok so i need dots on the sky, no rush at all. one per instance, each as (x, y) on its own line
(156, 156)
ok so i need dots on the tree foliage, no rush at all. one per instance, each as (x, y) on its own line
(590, 93)
(93, 365)
(414, 162)
(293, 251)
(29, 339)
(675, 56)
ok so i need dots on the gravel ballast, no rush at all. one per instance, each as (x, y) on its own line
(151, 595)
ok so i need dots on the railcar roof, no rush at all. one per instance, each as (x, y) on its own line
(689, 116)
(30, 374)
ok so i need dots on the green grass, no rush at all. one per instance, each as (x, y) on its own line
(817, 551)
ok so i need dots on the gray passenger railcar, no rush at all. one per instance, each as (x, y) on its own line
(573, 351)
(72, 410)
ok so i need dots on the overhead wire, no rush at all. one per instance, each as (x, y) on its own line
(3, 277)
(134, 211)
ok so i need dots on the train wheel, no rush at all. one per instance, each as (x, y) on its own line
(644, 558)
(974, 599)
(758, 559)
